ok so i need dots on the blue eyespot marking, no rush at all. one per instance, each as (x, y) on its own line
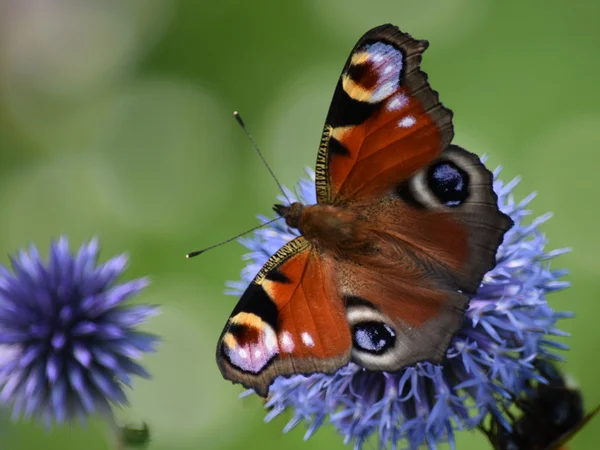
(449, 183)
(373, 337)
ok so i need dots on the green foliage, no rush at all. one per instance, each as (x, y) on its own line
(115, 121)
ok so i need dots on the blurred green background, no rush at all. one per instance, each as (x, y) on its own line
(115, 121)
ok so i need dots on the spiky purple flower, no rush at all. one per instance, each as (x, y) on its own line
(68, 343)
(507, 325)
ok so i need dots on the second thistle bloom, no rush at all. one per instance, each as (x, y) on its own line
(68, 343)
(506, 327)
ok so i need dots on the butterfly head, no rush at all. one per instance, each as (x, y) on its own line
(291, 213)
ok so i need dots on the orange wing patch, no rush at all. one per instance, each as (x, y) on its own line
(290, 320)
(388, 148)
(312, 322)
(250, 343)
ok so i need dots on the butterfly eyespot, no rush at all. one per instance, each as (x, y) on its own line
(249, 346)
(374, 73)
(449, 183)
(361, 73)
(373, 337)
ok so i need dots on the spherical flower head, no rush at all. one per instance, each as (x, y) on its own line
(68, 343)
(506, 326)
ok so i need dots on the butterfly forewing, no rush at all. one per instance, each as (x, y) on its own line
(385, 122)
(289, 320)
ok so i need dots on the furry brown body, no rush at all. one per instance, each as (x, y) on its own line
(328, 228)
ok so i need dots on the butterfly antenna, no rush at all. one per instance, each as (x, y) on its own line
(199, 252)
(243, 125)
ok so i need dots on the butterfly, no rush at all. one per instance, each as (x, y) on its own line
(552, 414)
(405, 226)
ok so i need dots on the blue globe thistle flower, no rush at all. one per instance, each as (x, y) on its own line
(68, 343)
(507, 326)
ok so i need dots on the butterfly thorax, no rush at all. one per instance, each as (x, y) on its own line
(326, 227)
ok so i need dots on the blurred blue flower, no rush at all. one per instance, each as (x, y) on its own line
(507, 325)
(67, 341)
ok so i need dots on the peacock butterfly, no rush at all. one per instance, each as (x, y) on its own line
(405, 226)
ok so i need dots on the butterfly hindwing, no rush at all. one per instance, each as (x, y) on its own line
(454, 200)
(397, 321)
(289, 320)
(446, 215)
